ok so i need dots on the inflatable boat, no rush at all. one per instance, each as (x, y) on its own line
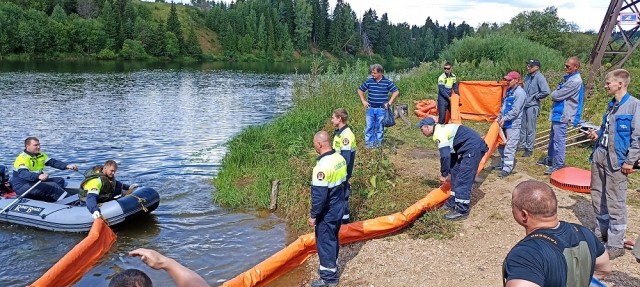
(68, 215)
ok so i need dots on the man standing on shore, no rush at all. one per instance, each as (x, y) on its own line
(378, 88)
(566, 109)
(616, 150)
(447, 83)
(344, 142)
(327, 207)
(537, 88)
(509, 121)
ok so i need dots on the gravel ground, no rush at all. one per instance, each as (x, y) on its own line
(474, 256)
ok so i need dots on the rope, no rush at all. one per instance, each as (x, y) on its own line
(141, 201)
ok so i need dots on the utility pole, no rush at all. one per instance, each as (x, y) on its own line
(614, 47)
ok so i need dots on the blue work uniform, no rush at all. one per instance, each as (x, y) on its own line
(26, 169)
(327, 207)
(446, 84)
(461, 150)
(511, 113)
(344, 142)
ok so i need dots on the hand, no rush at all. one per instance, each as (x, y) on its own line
(312, 222)
(96, 214)
(43, 176)
(365, 104)
(592, 135)
(150, 257)
(131, 188)
(72, 167)
(626, 168)
(386, 105)
(443, 179)
(501, 122)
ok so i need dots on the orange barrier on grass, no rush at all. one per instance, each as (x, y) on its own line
(298, 251)
(70, 268)
(480, 100)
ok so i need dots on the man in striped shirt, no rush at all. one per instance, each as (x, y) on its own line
(378, 88)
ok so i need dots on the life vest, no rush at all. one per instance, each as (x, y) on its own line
(95, 179)
(34, 163)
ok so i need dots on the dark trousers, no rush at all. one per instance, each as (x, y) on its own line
(49, 190)
(328, 247)
(444, 105)
(463, 174)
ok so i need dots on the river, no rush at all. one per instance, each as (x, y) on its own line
(167, 127)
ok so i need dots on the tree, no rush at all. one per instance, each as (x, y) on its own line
(87, 8)
(303, 23)
(193, 46)
(370, 29)
(111, 27)
(173, 25)
(261, 40)
(544, 27)
(132, 50)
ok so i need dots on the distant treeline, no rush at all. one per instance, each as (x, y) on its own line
(264, 29)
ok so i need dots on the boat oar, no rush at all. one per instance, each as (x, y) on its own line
(20, 197)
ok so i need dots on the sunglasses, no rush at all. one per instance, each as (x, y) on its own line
(567, 66)
(447, 68)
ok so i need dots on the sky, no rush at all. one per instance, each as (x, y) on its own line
(587, 14)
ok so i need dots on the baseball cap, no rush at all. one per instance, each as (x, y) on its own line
(426, 121)
(533, 62)
(512, 75)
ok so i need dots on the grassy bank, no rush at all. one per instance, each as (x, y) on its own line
(282, 150)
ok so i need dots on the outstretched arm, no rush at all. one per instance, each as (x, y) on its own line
(182, 276)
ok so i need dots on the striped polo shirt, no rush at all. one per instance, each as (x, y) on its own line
(378, 91)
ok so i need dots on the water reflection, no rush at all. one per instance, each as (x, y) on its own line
(167, 129)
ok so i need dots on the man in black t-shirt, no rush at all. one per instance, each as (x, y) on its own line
(554, 253)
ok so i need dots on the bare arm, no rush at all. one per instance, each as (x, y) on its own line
(182, 276)
(603, 266)
(393, 97)
(521, 283)
(362, 99)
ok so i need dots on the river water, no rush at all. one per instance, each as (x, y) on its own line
(167, 129)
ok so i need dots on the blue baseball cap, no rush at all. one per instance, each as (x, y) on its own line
(426, 121)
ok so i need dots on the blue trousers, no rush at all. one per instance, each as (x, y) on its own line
(463, 174)
(444, 105)
(557, 144)
(49, 190)
(328, 247)
(373, 129)
(347, 213)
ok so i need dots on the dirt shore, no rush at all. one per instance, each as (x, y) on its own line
(474, 256)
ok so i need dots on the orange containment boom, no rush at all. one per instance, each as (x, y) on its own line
(297, 252)
(478, 101)
(70, 268)
(572, 179)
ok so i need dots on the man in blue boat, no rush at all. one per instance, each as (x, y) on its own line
(378, 88)
(327, 207)
(100, 185)
(461, 150)
(28, 171)
(554, 252)
(344, 142)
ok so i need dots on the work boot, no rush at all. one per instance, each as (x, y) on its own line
(544, 162)
(496, 167)
(614, 252)
(527, 153)
(455, 215)
(504, 173)
(551, 169)
(321, 283)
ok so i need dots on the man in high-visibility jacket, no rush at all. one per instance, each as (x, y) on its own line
(447, 82)
(461, 150)
(327, 207)
(28, 171)
(344, 142)
(102, 186)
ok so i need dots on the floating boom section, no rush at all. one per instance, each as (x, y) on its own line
(70, 268)
(297, 252)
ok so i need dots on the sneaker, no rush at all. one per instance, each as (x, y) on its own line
(614, 252)
(504, 173)
(544, 162)
(496, 167)
(551, 169)
(527, 153)
(455, 215)
(321, 283)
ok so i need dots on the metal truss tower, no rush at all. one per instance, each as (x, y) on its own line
(614, 46)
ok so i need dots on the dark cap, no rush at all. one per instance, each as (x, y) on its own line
(426, 121)
(533, 62)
